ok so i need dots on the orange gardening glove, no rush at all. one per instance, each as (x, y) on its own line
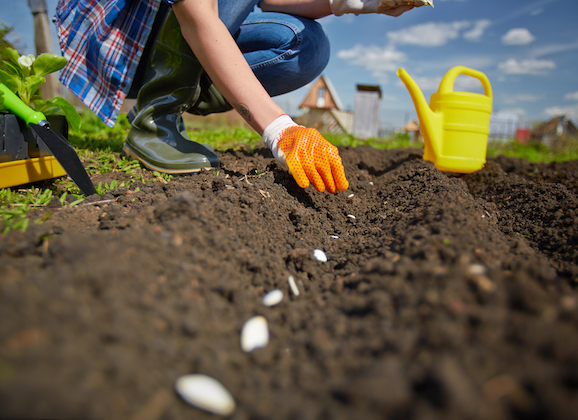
(309, 156)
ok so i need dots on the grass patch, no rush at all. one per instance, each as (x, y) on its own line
(565, 149)
(225, 138)
(393, 141)
(14, 205)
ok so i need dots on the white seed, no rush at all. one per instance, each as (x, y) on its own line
(319, 255)
(350, 195)
(254, 334)
(293, 285)
(334, 236)
(206, 393)
(371, 183)
(477, 270)
(351, 216)
(273, 297)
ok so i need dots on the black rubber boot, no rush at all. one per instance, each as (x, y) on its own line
(210, 101)
(171, 85)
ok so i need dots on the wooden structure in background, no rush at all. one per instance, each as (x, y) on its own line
(44, 44)
(413, 128)
(554, 130)
(323, 110)
(366, 117)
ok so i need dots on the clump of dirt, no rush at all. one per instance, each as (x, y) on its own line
(443, 296)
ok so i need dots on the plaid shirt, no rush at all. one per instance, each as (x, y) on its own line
(103, 41)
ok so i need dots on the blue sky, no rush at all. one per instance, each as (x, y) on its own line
(527, 48)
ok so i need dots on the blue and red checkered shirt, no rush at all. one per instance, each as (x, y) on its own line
(103, 41)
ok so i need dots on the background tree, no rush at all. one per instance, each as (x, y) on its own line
(4, 43)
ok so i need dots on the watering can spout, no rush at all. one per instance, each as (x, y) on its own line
(429, 121)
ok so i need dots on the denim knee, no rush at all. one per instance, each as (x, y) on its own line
(285, 52)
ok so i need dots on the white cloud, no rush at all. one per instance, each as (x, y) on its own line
(570, 111)
(517, 36)
(375, 59)
(469, 84)
(571, 96)
(521, 97)
(536, 12)
(429, 34)
(553, 49)
(436, 34)
(529, 66)
(510, 113)
(425, 83)
(476, 33)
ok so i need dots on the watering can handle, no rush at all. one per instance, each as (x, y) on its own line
(447, 84)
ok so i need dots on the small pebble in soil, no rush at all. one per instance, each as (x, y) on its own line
(477, 270)
(254, 334)
(205, 393)
(293, 285)
(273, 297)
(319, 255)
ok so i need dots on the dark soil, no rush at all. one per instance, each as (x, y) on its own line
(447, 297)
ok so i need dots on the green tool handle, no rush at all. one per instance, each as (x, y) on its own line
(19, 108)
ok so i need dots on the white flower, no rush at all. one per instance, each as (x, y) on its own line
(26, 60)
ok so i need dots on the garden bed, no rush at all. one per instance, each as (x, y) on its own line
(443, 297)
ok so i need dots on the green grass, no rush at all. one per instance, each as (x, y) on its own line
(565, 149)
(393, 141)
(14, 205)
(100, 149)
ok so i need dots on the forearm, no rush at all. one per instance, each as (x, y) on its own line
(312, 9)
(224, 63)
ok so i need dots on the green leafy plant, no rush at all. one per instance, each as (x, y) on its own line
(5, 31)
(165, 177)
(103, 189)
(24, 74)
(14, 206)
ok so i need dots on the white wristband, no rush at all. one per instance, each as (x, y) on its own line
(272, 134)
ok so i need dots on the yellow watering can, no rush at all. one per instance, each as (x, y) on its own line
(455, 126)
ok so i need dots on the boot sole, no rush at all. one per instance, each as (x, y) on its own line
(130, 153)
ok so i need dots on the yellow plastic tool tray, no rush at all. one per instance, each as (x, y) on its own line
(24, 171)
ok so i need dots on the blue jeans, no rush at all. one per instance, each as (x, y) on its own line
(285, 52)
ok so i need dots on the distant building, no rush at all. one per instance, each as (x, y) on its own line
(550, 132)
(322, 109)
(366, 116)
(412, 127)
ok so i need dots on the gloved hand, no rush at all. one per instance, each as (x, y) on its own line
(388, 7)
(309, 156)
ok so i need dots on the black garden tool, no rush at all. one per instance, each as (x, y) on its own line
(55, 142)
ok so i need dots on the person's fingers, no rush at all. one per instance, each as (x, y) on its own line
(323, 156)
(337, 170)
(308, 155)
(398, 10)
(297, 170)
